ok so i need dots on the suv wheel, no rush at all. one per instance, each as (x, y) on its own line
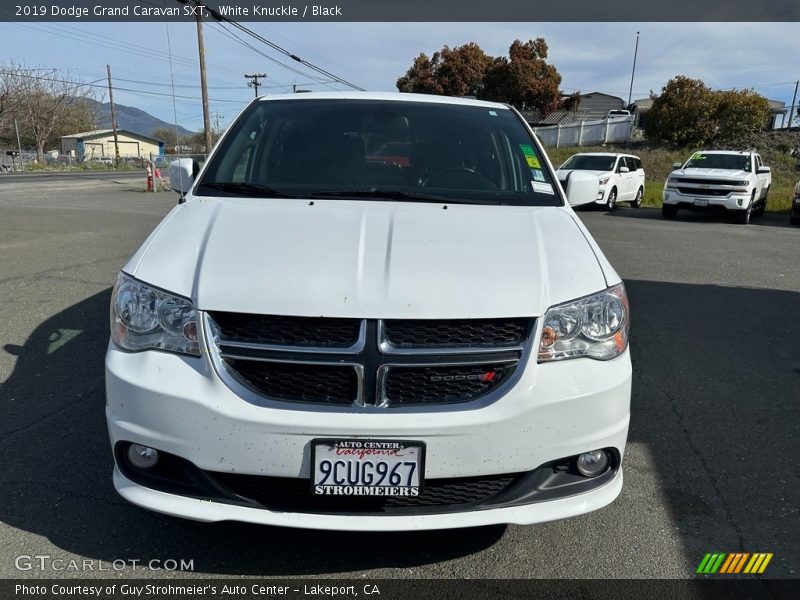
(637, 202)
(669, 211)
(611, 203)
(794, 220)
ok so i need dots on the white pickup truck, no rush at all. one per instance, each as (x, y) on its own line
(737, 182)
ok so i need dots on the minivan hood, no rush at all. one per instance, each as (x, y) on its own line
(369, 259)
(561, 173)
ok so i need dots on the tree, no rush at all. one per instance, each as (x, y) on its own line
(740, 113)
(524, 79)
(689, 113)
(170, 137)
(458, 71)
(48, 103)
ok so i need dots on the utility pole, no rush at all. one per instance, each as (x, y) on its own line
(794, 101)
(217, 118)
(199, 10)
(19, 146)
(113, 118)
(254, 81)
(633, 71)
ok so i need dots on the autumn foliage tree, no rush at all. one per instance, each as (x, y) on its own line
(524, 79)
(458, 71)
(689, 113)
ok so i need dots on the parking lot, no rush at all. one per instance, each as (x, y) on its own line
(710, 458)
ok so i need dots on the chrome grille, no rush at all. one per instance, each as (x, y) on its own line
(367, 362)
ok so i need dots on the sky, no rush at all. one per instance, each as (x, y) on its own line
(591, 57)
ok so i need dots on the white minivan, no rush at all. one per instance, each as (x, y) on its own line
(621, 176)
(370, 312)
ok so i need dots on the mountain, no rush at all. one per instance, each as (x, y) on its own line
(131, 118)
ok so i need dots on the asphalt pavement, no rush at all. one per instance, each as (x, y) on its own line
(710, 464)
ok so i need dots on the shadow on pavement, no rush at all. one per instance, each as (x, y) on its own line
(716, 388)
(690, 216)
(56, 478)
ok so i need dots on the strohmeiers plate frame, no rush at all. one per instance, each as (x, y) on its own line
(330, 441)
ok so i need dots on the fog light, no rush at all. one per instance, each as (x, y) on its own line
(591, 464)
(142, 457)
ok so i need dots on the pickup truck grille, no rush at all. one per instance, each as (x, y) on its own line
(367, 362)
(691, 191)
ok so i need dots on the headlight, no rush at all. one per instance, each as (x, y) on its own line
(604, 180)
(739, 183)
(671, 181)
(595, 327)
(144, 317)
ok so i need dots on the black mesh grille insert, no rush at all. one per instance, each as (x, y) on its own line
(287, 331)
(435, 384)
(294, 495)
(299, 382)
(456, 333)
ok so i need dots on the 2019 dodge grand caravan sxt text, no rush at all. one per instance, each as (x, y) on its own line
(324, 337)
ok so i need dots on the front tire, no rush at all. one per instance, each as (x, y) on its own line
(669, 211)
(762, 208)
(794, 220)
(743, 216)
(611, 202)
(637, 202)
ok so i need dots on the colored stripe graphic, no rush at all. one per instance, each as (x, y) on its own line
(711, 562)
(734, 563)
(758, 563)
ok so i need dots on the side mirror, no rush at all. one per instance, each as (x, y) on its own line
(581, 188)
(763, 169)
(181, 175)
(676, 166)
(624, 170)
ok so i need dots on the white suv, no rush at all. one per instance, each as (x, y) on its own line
(621, 176)
(323, 337)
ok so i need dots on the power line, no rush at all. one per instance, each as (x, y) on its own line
(231, 35)
(122, 89)
(282, 50)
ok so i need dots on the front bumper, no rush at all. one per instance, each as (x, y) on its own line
(731, 202)
(179, 405)
(796, 207)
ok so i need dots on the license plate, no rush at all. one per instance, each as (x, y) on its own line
(699, 202)
(367, 467)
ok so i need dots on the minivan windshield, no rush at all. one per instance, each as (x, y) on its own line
(703, 160)
(380, 150)
(590, 162)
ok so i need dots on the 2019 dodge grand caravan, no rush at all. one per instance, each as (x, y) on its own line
(320, 336)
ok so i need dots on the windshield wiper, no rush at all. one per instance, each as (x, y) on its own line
(390, 195)
(247, 189)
